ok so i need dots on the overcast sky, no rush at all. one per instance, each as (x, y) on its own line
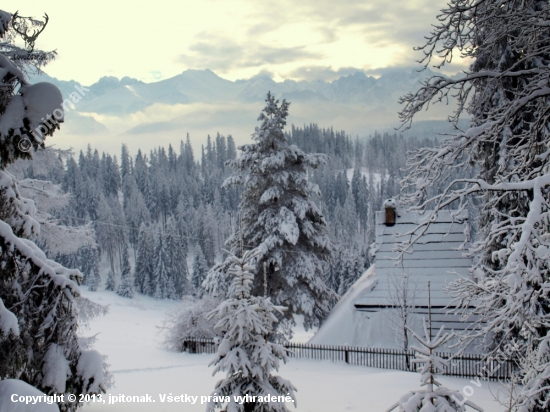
(237, 39)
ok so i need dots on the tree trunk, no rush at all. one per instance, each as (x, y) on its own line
(249, 406)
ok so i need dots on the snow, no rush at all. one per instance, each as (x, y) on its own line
(8, 321)
(56, 369)
(60, 276)
(390, 203)
(129, 336)
(41, 100)
(4, 22)
(288, 227)
(439, 396)
(6, 66)
(9, 387)
(376, 177)
(244, 355)
(341, 326)
(90, 367)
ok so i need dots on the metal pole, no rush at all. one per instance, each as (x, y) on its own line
(241, 232)
(430, 322)
(265, 279)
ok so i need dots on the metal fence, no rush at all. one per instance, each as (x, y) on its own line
(467, 365)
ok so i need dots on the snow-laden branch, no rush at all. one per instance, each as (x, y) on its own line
(507, 94)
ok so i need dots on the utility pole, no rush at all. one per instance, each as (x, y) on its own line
(431, 387)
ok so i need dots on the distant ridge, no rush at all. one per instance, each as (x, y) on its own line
(201, 102)
(205, 86)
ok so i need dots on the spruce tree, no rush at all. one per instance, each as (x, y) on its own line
(351, 267)
(177, 255)
(38, 315)
(505, 91)
(135, 209)
(360, 192)
(107, 232)
(200, 270)
(245, 353)
(279, 218)
(126, 287)
(206, 232)
(110, 285)
(144, 261)
(162, 282)
(94, 275)
(435, 397)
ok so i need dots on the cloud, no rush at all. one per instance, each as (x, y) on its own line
(156, 74)
(390, 70)
(262, 28)
(220, 54)
(236, 38)
(326, 73)
(377, 22)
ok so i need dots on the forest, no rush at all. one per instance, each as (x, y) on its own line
(158, 221)
(251, 240)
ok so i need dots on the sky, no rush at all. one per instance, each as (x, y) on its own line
(237, 39)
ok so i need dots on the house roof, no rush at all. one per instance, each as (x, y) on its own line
(438, 257)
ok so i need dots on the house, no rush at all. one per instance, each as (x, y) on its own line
(366, 314)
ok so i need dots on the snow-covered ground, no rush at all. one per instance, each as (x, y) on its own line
(376, 177)
(130, 336)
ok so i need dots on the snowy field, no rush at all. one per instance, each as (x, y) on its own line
(129, 336)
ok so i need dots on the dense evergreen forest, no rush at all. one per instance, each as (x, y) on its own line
(160, 220)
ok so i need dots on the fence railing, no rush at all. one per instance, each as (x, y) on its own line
(466, 365)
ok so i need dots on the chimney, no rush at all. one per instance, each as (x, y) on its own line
(390, 206)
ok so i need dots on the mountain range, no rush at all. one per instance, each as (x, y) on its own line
(200, 102)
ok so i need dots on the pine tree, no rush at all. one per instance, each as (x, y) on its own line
(95, 277)
(279, 218)
(245, 354)
(124, 163)
(332, 276)
(506, 93)
(435, 397)
(135, 209)
(177, 255)
(111, 176)
(74, 183)
(190, 320)
(110, 285)
(107, 232)
(144, 261)
(360, 192)
(94, 197)
(350, 269)
(200, 270)
(188, 220)
(38, 316)
(206, 233)
(126, 287)
(231, 149)
(86, 263)
(163, 285)
(187, 156)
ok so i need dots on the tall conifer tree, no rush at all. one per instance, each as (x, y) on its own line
(279, 218)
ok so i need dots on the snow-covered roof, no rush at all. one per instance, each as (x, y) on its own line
(361, 316)
(340, 328)
(438, 256)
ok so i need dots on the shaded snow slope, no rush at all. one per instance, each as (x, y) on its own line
(341, 326)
